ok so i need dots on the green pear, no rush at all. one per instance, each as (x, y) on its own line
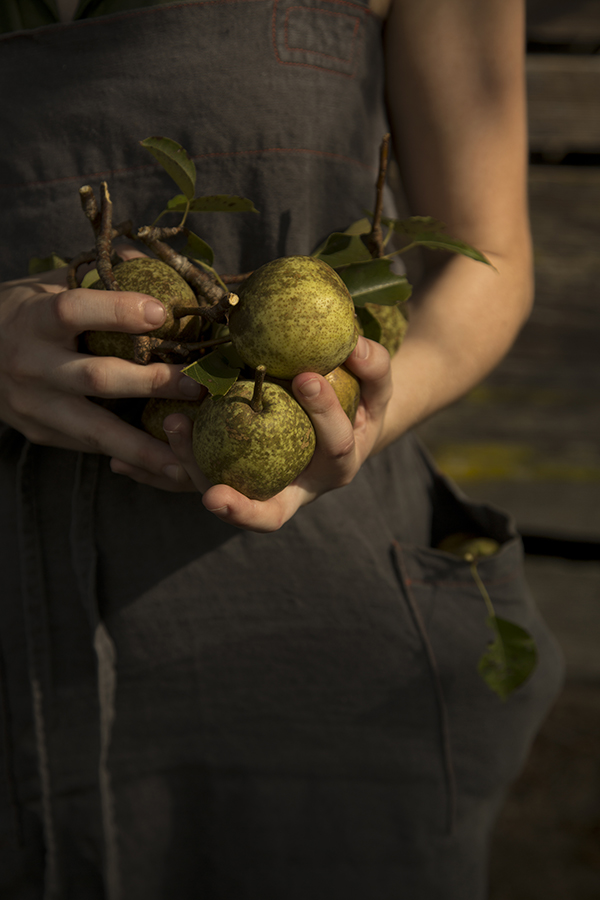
(256, 441)
(295, 315)
(159, 280)
(393, 323)
(157, 409)
(347, 387)
(469, 546)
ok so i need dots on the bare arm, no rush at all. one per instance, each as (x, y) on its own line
(455, 77)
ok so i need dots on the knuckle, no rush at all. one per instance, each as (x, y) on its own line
(95, 378)
(127, 315)
(62, 308)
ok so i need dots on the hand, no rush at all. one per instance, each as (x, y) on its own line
(341, 448)
(44, 381)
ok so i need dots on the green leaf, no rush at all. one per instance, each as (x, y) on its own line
(342, 250)
(370, 326)
(213, 203)
(428, 232)
(414, 224)
(215, 372)
(198, 249)
(90, 278)
(174, 160)
(510, 658)
(37, 264)
(373, 282)
(362, 226)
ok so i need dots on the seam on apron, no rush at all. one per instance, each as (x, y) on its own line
(84, 556)
(36, 628)
(444, 722)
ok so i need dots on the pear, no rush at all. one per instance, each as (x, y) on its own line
(159, 280)
(347, 388)
(256, 438)
(157, 409)
(469, 545)
(295, 315)
(393, 324)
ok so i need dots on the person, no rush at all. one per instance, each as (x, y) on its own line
(206, 695)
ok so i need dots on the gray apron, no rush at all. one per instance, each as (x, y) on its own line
(189, 710)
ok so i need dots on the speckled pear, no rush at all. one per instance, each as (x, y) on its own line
(159, 280)
(295, 315)
(347, 389)
(256, 452)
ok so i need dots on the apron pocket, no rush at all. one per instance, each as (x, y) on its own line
(484, 739)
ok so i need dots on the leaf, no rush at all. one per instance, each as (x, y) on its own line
(510, 658)
(373, 282)
(37, 264)
(212, 203)
(362, 226)
(198, 249)
(414, 224)
(89, 278)
(342, 249)
(428, 232)
(370, 326)
(174, 160)
(215, 372)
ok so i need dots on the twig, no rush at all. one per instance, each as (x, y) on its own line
(104, 241)
(236, 279)
(81, 260)
(163, 346)
(375, 237)
(202, 283)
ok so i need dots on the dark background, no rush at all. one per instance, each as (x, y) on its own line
(528, 440)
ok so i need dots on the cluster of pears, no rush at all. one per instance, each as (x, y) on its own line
(294, 315)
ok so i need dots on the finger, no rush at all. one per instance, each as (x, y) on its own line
(263, 516)
(111, 378)
(97, 430)
(370, 362)
(335, 435)
(127, 251)
(66, 314)
(178, 429)
(177, 483)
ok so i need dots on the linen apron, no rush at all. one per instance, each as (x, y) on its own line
(190, 710)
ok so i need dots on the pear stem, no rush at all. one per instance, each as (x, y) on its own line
(256, 403)
(375, 238)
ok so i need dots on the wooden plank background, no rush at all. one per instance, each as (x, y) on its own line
(528, 439)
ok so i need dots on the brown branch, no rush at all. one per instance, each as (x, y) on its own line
(83, 258)
(90, 207)
(218, 312)
(375, 237)
(104, 241)
(163, 346)
(202, 283)
(235, 279)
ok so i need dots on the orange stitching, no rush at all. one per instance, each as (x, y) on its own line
(327, 12)
(330, 71)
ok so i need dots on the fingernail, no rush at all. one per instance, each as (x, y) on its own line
(361, 351)
(311, 388)
(154, 312)
(189, 387)
(172, 472)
